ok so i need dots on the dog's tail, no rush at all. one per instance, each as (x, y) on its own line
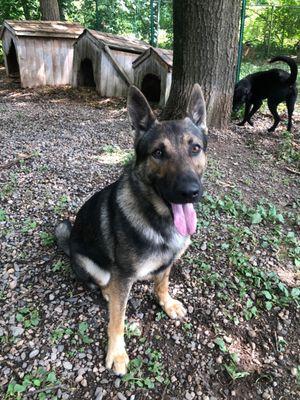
(292, 64)
(62, 233)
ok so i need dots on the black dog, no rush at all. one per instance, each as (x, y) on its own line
(275, 85)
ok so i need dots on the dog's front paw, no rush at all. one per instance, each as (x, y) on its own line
(174, 309)
(117, 361)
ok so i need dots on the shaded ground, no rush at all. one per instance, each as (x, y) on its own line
(239, 279)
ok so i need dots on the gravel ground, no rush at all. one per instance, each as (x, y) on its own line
(60, 146)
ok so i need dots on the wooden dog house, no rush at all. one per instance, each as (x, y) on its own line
(39, 52)
(153, 74)
(104, 61)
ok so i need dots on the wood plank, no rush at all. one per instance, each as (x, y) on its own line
(117, 66)
(47, 50)
(30, 63)
(22, 58)
(67, 76)
(57, 54)
(40, 66)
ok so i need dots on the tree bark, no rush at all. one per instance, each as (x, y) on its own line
(205, 52)
(49, 10)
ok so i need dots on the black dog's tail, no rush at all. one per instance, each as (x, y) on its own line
(62, 233)
(292, 64)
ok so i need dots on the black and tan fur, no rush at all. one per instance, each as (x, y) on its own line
(126, 232)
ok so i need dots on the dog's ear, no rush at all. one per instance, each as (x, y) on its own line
(140, 114)
(196, 109)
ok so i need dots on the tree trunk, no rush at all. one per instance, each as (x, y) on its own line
(49, 10)
(205, 51)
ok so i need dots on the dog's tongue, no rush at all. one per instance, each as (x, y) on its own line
(185, 218)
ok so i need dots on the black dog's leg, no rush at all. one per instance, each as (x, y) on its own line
(273, 109)
(246, 114)
(290, 103)
(255, 107)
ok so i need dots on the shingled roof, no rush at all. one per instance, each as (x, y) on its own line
(43, 28)
(164, 55)
(116, 42)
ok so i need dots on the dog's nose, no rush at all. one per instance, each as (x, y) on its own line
(189, 191)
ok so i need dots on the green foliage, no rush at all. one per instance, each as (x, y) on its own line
(28, 225)
(272, 27)
(79, 336)
(29, 317)
(232, 365)
(287, 151)
(11, 9)
(146, 372)
(47, 239)
(114, 16)
(59, 266)
(38, 379)
(61, 205)
(246, 232)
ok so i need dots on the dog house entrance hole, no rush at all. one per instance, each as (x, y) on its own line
(151, 88)
(12, 62)
(86, 74)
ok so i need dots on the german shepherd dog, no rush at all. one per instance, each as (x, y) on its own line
(275, 85)
(139, 225)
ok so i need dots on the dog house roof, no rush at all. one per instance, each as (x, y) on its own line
(164, 55)
(116, 42)
(43, 28)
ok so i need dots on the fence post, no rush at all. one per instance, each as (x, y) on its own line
(240, 48)
(152, 22)
(270, 30)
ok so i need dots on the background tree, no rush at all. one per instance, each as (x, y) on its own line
(205, 51)
(49, 10)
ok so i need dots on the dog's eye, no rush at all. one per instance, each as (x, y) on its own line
(158, 153)
(196, 149)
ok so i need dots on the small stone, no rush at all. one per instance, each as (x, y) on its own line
(219, 360)
(252, 333)
(189, 396)
(190, 309)
(117, 383)
(34, 353)
(17, 330)
(13, 284)
(51, 297)
(228, 339)
(203, 246)
(78, 378)
(99, 393)
(294, 371)
(121, 396)
(67, 365)
(83, 383)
